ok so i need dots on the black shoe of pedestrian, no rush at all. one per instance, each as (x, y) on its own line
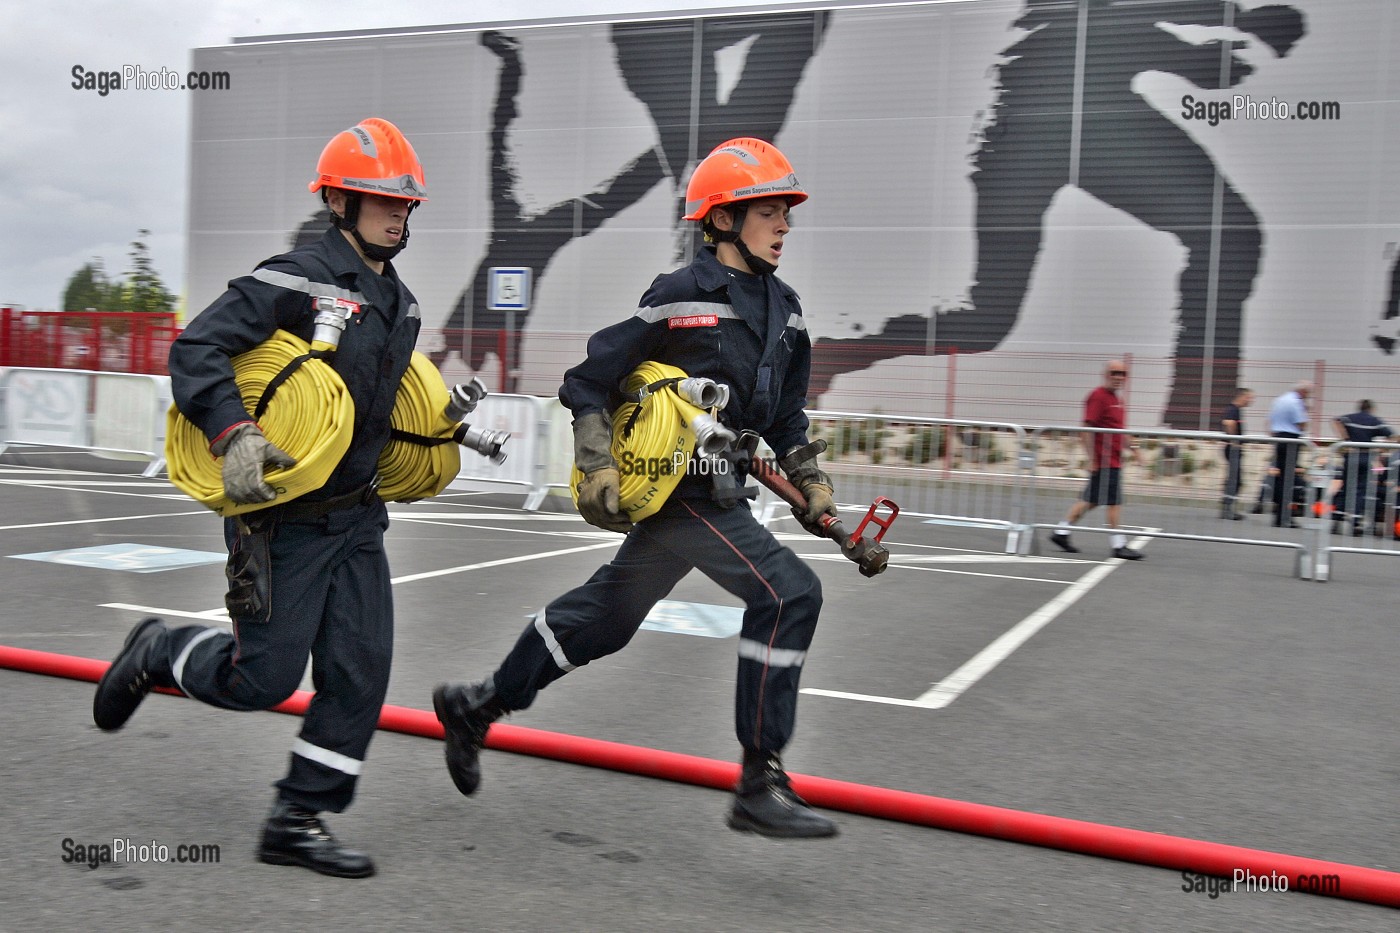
(128, 679)
(294, 835)
(466, 712)
(764, 803)
(1061, 540)
(1231, 516)
(1258, 509)
(1127, 553)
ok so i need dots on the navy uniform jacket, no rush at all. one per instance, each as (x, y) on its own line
(374, 350)
(687, 319)
(1364, 427)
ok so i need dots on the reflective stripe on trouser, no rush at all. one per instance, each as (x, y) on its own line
(781, 594)
(331, 601)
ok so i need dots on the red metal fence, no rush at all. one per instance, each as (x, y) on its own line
(118, 342)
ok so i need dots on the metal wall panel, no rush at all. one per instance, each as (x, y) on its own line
(1016, 179)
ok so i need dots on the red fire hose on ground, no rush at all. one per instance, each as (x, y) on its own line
(1279, 871)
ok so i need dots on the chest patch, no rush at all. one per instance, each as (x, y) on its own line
(341, 306)
(693, 320)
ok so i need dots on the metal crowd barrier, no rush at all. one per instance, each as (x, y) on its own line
(1356, 491)
(531, 452)
(1017, 482)
(106, 413)
(1177, 491)
(957, 473)
(1021, 481)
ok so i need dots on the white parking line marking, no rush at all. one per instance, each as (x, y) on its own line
(590, 533)
(216, 615)
(208, 615)
(403, 516)
(502, 562)
(957, 683)
(51, 483)
(104, 492)
(961, 680)
(95, 521)
(895, 562)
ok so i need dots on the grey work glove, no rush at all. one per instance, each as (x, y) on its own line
(599, 495)
(246, 454)
(800, 464)
(598, 500)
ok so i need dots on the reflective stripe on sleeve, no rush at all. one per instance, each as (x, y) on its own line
(300, 283)
(680, 309)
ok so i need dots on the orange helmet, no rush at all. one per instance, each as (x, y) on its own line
(742, 169)
(373, 157)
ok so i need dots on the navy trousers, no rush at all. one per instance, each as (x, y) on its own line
(781, 594)
(331, 601)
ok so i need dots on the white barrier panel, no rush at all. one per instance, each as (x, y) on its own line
(523, 417)
(121, 413)
(127, 413)
(559, 464)
(47, 407)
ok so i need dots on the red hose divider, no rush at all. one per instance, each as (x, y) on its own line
(1355, 882)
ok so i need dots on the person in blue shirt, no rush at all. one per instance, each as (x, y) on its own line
(1288, 421)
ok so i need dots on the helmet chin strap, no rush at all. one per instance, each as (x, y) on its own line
(756, 265)
(350, 224)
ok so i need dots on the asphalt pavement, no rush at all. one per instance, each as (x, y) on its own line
(1204, 692)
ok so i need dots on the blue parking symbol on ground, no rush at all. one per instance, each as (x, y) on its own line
(135, 558)
(683, 618)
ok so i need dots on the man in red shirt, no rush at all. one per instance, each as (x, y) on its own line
(1103, 409)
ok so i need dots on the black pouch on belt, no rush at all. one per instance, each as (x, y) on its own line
(249, 570)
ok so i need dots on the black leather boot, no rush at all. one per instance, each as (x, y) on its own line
(128, 680)
(764, 802)
(294, 835)
(466, 712)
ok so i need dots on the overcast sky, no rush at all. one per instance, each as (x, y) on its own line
(81, 173)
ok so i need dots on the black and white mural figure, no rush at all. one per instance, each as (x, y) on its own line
(1385, 336)
(672, 68)
(520, 238)
(697, 108)
(1066, 114)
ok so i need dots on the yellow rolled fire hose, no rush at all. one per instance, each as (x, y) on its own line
(653, 440)
(310, 415)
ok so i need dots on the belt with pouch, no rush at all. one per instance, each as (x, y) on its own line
(299, 511)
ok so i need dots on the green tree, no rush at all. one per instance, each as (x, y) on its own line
(144, 292)
(141, 291)
(89, 287)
